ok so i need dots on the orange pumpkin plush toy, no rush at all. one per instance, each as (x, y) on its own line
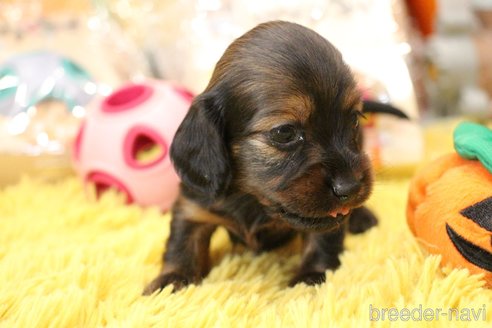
(450, 203)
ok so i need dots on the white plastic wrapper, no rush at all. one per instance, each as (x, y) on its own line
(42, 98)
(50, 70)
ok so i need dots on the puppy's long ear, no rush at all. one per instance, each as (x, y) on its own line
(199, 152)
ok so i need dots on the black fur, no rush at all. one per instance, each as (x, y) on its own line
(264, 192)
(199, 153)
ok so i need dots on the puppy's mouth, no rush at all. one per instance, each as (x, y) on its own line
(340, 211)
(332, 221)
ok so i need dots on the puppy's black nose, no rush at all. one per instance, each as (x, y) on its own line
(345, 188)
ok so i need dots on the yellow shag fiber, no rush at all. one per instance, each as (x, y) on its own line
(66, 261)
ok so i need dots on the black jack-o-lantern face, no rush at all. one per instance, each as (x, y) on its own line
(450, 212)
(480, 214)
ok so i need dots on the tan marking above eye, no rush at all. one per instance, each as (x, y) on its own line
(293, 109)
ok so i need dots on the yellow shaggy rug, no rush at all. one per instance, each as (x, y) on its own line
(66, 261)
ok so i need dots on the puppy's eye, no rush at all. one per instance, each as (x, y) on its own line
(285, 134)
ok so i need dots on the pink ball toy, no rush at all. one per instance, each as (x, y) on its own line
(134, 120)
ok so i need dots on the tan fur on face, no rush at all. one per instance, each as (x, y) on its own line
(292, 109)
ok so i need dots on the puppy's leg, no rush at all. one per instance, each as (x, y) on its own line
(273, 237)
(361, 220)
(320, 253)
(186, 259)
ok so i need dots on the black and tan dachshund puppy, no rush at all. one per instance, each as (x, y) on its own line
(272, 148)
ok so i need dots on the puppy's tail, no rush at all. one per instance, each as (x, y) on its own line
(378, 107)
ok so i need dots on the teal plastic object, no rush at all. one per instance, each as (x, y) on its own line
(30, 78)
(474, 141)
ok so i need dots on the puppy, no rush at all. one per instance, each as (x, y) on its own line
(270, 149)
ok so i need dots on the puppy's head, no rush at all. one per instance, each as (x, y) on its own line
(279, 120)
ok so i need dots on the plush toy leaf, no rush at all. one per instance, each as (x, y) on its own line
(474, 141)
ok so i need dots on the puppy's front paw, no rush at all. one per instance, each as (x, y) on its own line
(171, 278)
(309, 278)
(361, 220)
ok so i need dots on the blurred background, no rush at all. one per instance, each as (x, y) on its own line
(430, 58)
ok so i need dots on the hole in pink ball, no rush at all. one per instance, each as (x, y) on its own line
(103, 182)
(145, 150)
(126, 98)
(144, 147)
